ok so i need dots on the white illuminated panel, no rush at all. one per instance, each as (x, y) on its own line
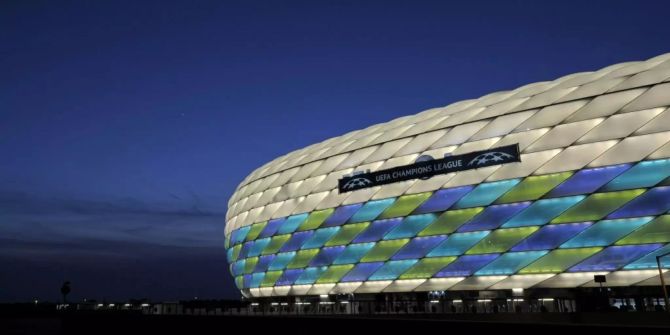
(657, 96)
(624, 278)
(563, 135)
(318, 289)
(345, 288)
(373, 286)
(439, 284)
(575, 157)
(568, 279)
(404, 285)
(658, 124)
(476, 283)
(605, 105)
(632, 149)
(520, 281)
(618, 126)
(300, 289)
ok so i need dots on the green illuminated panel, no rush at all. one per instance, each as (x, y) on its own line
(239, 281)
(383, 250)
(596, 206)
(501, 240)
(533, 187)
(256, 229)
(657, 231)
(347, 233)
(449, 221)
(275, 244)
(427, 267)
(271, 278)
(227, 241)
(315, 219)
(236, 252)
(559, 260)
(405, 205)
(302, 258)
(334, 273)
(250, 264)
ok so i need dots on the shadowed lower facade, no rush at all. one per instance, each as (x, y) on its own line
(585, 191)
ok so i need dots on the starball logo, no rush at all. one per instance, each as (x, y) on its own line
(489, 157)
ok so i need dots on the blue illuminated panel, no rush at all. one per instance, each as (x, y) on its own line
(289, 277)
(649, 261)
(418, 247)
(484, 194)
(320, 237)
(362, 271)
(605, 232)
(353, 253)
(281, 261)
(653, 202)
(377, 230)
(392, 270)
(264, 263)
(510, 263)
(256, 279)
(443, 199)
(326, 256)
(271, 228)
(466, 265)
(542, 211)
(341, 215)
(643, 174)
(246, 280)
(244, 251)
(296, 241)
(258, 247)
(613, 258)
(493, 216)
(551, 236)
(587, 181)
(457, 244)
(410, 226)
(371, 210)
(238, 236)
(292, 223)
(310, 275)
(238, 267)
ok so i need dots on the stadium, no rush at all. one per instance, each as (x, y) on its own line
(552, 196)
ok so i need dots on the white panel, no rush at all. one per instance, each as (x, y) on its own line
(529, 163)
(286, 192)
(308, 185)
(520, 281)
(502, 125)
(644, 79)
(281, 290)
(575, 157)
(545, 98)
(551, 115)
(305, 170)
(431, 184)
(475, 146)
(265, 291)
(373, 286)
(300, 289)
(362, 195)
(439, 284)
(524, 139)
(390, 134)
(286, 208)
(656, 96)
(387, 150)
(632, 149)
(657, 124)
(346, 288)
(569, 279)
(333, 199)
(493, 98)
(283, 178)
(533, 89)
(329, 165)
(459, 118)
(656, 280)
(420, 143)
(459, 134)
(404, 285)
(362, 142)
(252, 201)
(398, 161)
(619, 126)
(268, 196)
(499, 109)
(393, 190)
(331, 180)
(254, 292)
(471, 177)
(265, 212)
(624, 278)
(592, 89)
(356, 157)
(605, 105)
(424, 125)
(662, 152)
(476, 283)
(310, 202)
(563, 135)
(318, 289)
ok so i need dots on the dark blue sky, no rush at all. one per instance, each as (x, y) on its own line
(126, 125)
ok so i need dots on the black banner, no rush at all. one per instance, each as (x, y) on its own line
(427, 169)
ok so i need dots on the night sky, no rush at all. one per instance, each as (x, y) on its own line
(125, 126)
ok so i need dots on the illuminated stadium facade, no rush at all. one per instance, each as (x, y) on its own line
(528, 193)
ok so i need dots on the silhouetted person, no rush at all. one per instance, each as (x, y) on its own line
(543, 309)
(65, 290)
(495, 309)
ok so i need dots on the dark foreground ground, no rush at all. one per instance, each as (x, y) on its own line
(101, 323)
